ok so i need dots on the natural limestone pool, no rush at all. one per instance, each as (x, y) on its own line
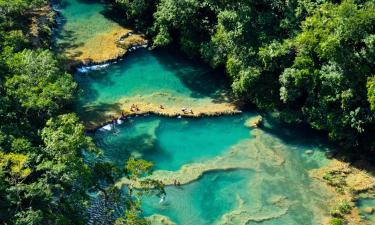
(161, 82)
(169, 142)
(230, 173)
(246, 176)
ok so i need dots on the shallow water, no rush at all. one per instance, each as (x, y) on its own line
(82, 20)
(156, 77)
(271, 194)
(146, 72)
(367, 203)
(201, 202)
(170, 142)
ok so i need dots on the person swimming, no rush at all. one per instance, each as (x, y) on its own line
(162, 199)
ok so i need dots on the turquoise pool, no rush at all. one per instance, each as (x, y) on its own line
(265, 193)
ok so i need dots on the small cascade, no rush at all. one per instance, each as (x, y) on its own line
(107, 127)
(86, 69)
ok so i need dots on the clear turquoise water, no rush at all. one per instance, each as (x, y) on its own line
(81, 20)
(365, 203)
(171, 143)
(201, 202)
(147, 72)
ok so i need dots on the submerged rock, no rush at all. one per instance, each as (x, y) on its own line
(247, 213)
(254, 122)
(157, 219)
(309, 152)
(369, 210)
(248, 154)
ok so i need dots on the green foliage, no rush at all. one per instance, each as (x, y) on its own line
(137, 168)
(29, 217)
(138, 12)
(15, 165)
(48, 182)
(65, 134)
(336, 221)
(335, 179)
(344, 207)
(371, 92)
(17, 7)
(38, 82)
(341, 208)
(43, 178)
(132, 217)
(137, 171)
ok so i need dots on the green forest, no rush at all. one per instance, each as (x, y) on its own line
(307, 61)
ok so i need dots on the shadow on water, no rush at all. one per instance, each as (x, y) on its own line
(63, 4)
(118, 149)
(296, 134)
(87, 93)
(65, 39)
(91, 1)
(202, 80)
(119, 152)
(93, 113)
(116, 15)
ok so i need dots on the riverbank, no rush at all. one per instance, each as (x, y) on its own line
(112, 42)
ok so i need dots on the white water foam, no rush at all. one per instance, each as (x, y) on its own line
(107, 127)
(86, 69)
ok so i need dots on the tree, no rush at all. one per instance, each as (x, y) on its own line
(38, 83)
(137, 171)
(371, 92)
